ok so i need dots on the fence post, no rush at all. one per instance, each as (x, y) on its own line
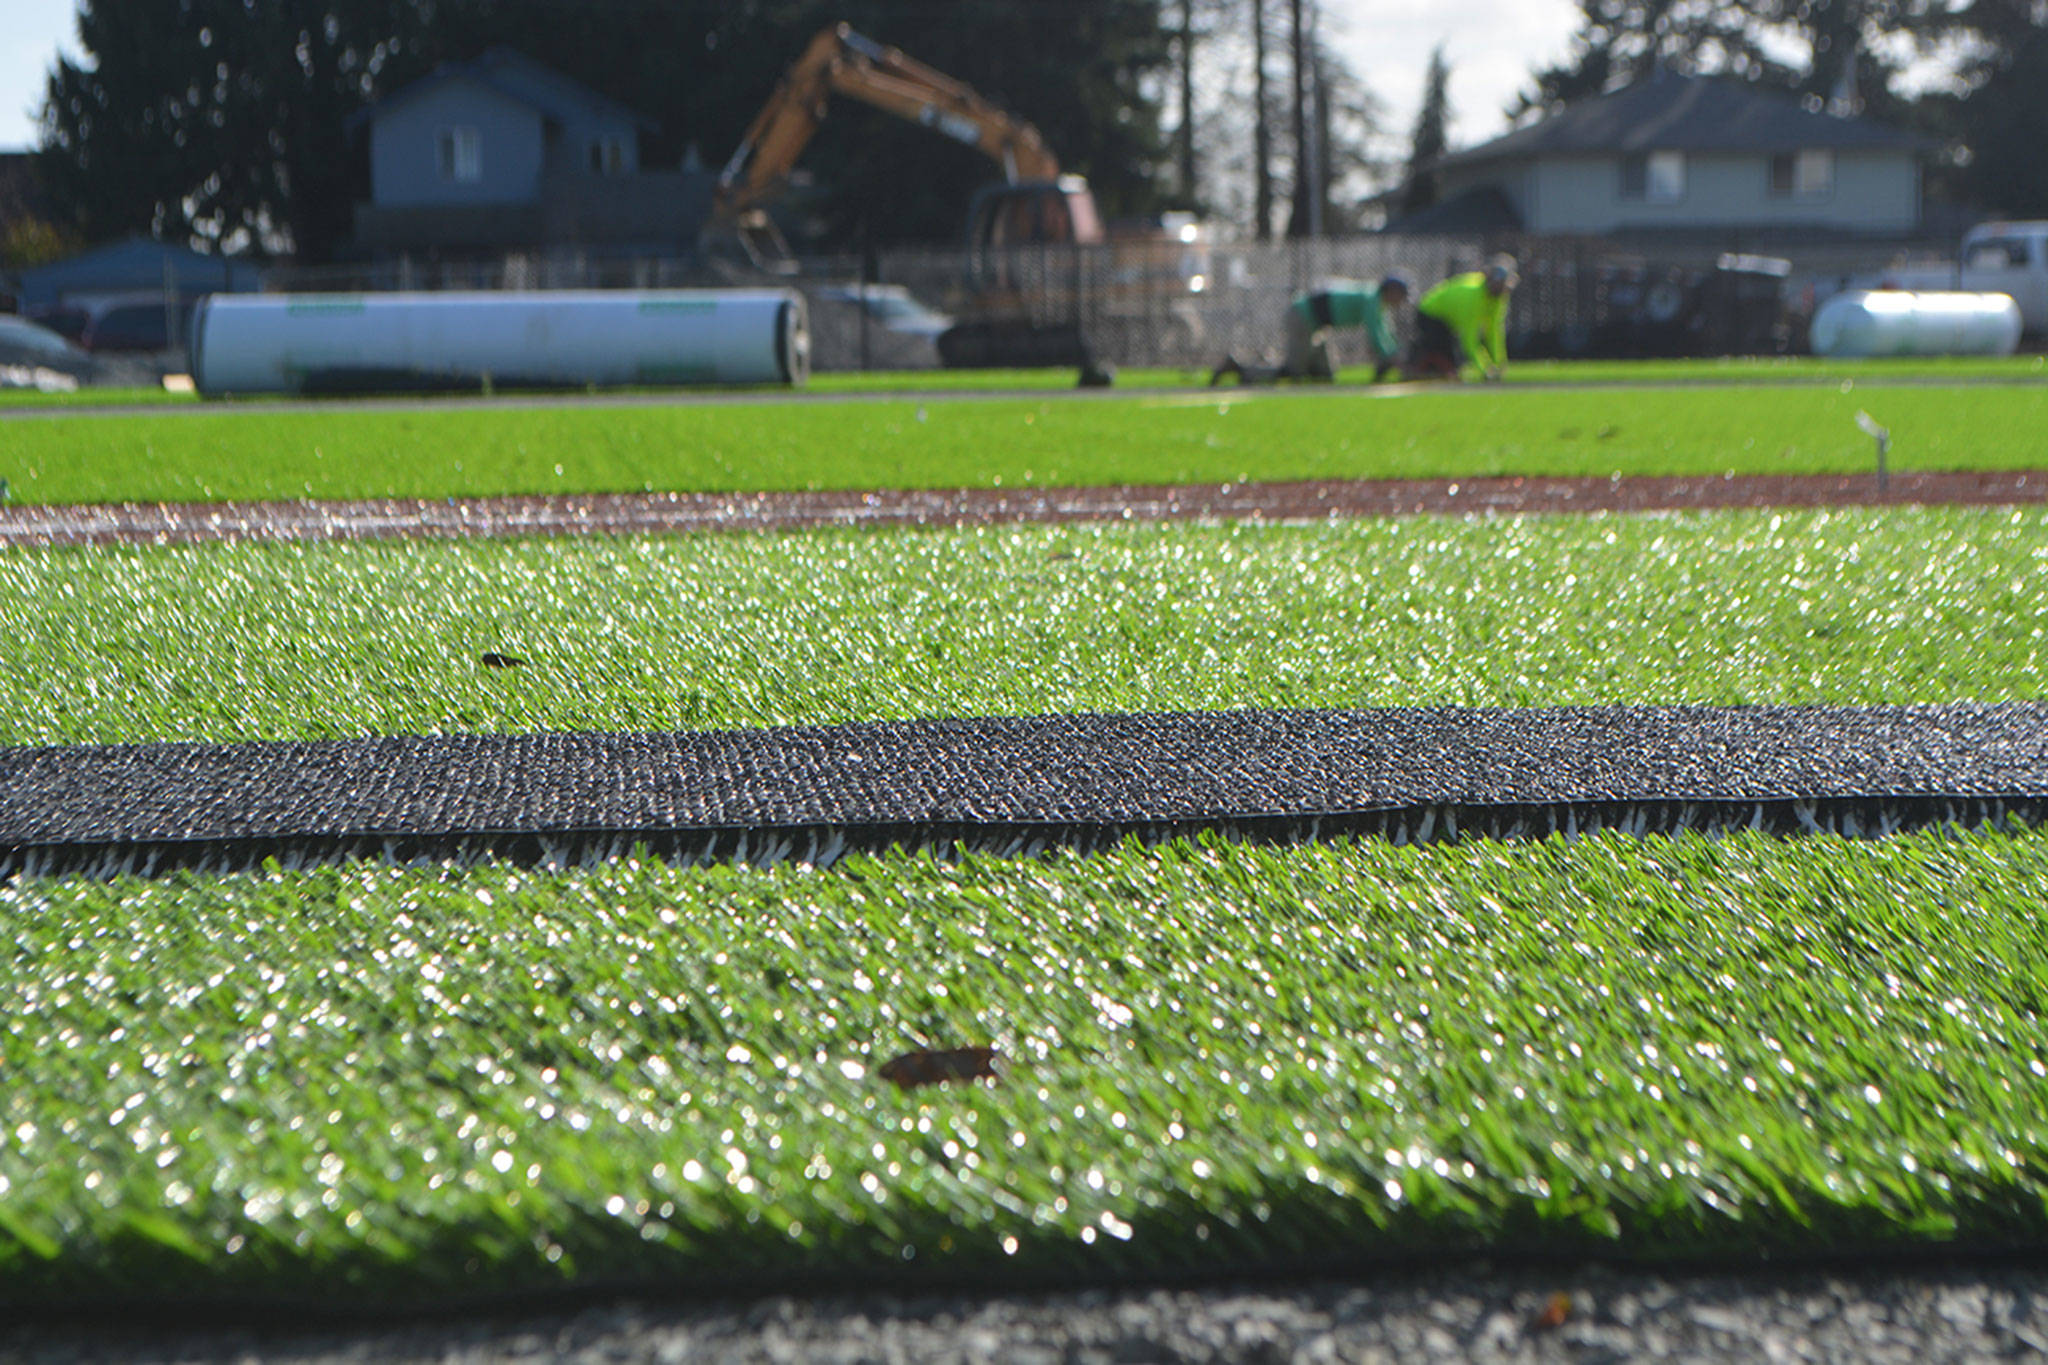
(170, 304)
(869, 269)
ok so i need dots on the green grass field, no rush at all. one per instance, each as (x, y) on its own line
(1723, 370)
(94, 397)
(379, 1083)
(337, 452)
(1782, 370)
(242, 641)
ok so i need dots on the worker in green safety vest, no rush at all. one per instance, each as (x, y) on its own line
(1313, 318)
(1463, 321)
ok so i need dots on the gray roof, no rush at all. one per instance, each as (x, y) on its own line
(517, 77)
(1477, 211)
(1687, 113)
(137, 263)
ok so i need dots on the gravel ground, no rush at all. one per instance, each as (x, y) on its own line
(1918, 1316)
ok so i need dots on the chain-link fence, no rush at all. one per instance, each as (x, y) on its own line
(1131, 302)
(1188, 303)
(1181, 300)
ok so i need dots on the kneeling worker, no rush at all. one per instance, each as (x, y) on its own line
(1312, 317)
(1464, 320)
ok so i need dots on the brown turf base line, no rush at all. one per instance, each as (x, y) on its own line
(680, 513)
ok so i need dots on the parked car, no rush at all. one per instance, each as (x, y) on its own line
(30, 354)
(1997, 258)
(121, 323)
(892, 306)
(1637, 310)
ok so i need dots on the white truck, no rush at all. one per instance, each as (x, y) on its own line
(1997, 258)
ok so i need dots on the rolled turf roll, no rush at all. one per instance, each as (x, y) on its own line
(1024, 783)
(404, 342)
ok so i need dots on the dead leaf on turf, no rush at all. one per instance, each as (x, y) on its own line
(1555, 1313)
(929, 1066)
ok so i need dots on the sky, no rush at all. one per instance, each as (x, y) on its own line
(31, 31)
(1491, 45)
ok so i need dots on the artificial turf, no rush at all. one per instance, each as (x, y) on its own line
(379, 1083)
(228, 642)
(94, 396)
(335, 451)
(1716, 370)
(1781, 370)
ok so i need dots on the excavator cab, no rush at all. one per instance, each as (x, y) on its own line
(1031, 213)
(1014, 266)
(1034, 213)
(1038, 207)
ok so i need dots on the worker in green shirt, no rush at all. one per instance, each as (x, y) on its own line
(1464, 321)
(1313, 317)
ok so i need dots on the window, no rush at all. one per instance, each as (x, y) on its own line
(1998, 253)
(608, 156)
(461, 155)
(1803, 175)
(1655, 177)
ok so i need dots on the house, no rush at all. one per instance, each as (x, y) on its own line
(502, 153)
(1679, 153)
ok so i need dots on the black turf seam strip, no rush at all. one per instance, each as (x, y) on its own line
(1025, 782)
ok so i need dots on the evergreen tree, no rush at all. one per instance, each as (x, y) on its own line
(1262, 130)
(1619, 42)
(1350, 140)
(1301, 210)
(2003, 122)
(1184, 132)
(217, 121)
(1432, 135)
(1847, 45)
(1852, 48)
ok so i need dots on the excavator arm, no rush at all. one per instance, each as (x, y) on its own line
(1036, 207)
(842, 62)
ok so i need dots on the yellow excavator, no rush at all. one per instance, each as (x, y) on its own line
(1036, 205)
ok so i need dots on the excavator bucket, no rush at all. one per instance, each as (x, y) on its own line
(765, 245)
(751, 244)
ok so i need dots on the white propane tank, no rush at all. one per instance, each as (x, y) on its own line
(299, 343)
(1873, 322)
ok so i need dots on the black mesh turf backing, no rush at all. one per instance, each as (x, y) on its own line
(813, 791)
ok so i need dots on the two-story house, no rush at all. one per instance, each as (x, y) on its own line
(502, 153)
(1679, 153)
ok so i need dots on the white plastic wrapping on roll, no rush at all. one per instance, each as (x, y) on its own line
(295, 343)
(1873, 322)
